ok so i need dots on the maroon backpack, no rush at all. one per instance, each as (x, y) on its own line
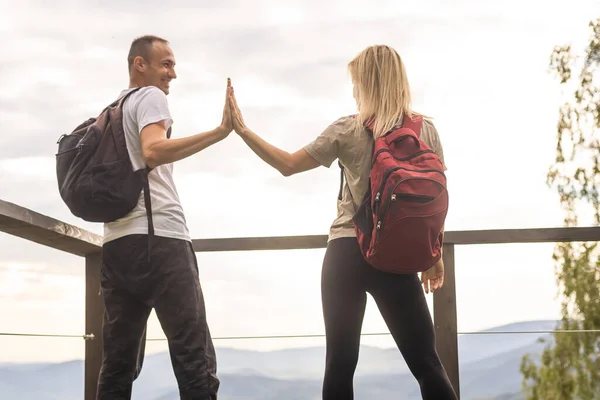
(400, 220)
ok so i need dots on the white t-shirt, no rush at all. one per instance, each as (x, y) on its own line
(146, 106)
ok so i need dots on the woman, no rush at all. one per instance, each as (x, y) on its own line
(383, 98)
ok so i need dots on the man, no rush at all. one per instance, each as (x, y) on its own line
(137, 277)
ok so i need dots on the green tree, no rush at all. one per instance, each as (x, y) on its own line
(569, 368)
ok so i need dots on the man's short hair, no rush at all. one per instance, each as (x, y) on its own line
(142, 47)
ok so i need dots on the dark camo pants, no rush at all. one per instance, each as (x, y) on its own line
(132, 285)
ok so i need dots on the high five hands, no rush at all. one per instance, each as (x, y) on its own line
(232, 116)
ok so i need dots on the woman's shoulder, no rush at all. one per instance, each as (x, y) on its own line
(345, 122)
(428, 129)
(341, 127)
(430, 136)
(428, 122)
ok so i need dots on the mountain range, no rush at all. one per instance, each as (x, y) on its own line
(489, 370)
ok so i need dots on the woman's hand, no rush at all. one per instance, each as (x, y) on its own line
(433, 278)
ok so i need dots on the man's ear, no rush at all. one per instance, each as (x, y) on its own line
(139, 64)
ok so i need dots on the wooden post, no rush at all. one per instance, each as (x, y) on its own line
(444, 316)
(94, 311)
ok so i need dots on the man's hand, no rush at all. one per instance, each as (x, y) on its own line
(433, 278)
(236, 115)
(226, 123)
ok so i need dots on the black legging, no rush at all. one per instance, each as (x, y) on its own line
(345, 281)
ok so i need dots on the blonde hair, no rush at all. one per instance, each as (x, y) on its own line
(379, 76)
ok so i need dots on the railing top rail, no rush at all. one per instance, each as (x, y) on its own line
(535, 235)
(30, 225)
(38, 228)
(496, 236)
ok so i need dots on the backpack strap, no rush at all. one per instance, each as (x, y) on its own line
(414, 124)
(341, 180)
(148, 204)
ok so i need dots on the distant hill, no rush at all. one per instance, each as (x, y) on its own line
(489, 365)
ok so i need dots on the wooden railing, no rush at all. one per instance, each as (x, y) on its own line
(27, 224)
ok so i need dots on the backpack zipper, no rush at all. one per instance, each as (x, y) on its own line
(412, 198)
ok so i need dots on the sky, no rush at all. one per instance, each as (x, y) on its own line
(479, 68)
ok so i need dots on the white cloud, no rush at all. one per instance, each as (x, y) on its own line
(285, 13)
(30, 168)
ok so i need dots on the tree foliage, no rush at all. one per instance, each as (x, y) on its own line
(569, 368)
